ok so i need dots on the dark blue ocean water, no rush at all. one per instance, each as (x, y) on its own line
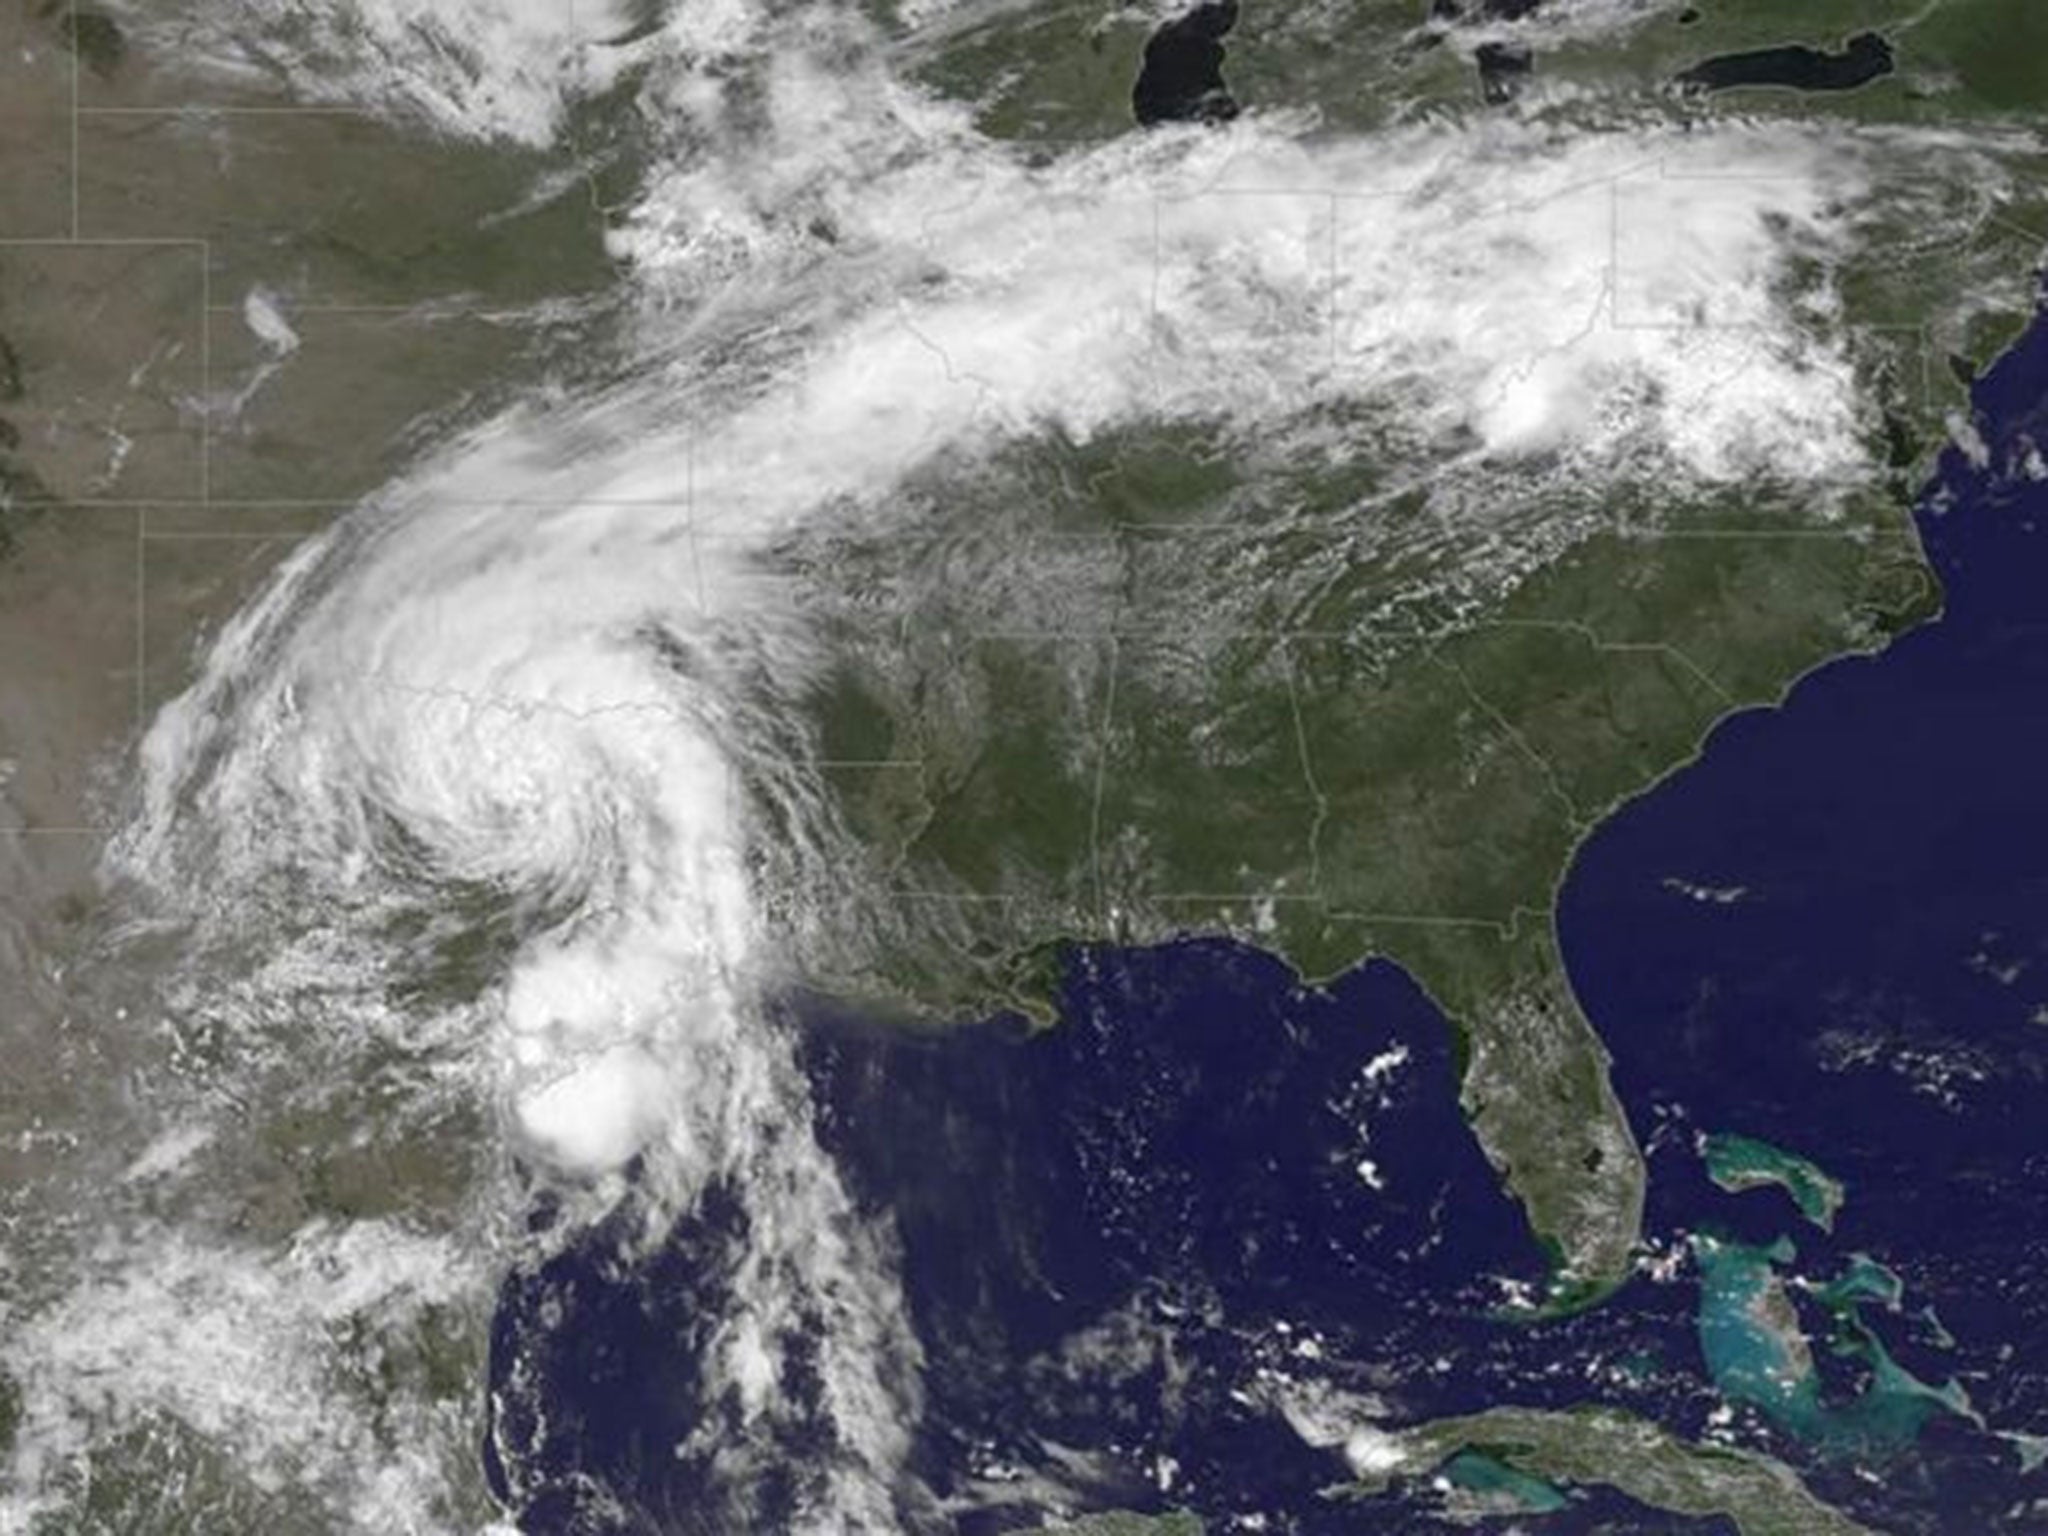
(1208, 1195)
(1211, 1193)
(1874, 996)
(1177, 1168)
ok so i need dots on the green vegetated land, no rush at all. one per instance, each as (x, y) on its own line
(1063, 70)
(1125, 1525)
(425, 276)
(1180, 733)
(1529, 1450)
(1332, 789)
(1179, 691)
(1604, 1447)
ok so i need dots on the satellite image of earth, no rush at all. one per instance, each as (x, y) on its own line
(955, 767)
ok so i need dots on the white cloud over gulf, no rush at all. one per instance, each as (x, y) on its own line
(557, 661)
(543, 656)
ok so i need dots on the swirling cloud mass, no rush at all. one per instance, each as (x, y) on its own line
(548, 684)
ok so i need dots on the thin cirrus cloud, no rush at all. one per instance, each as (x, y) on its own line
(553, 663)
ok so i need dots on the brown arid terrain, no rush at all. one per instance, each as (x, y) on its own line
(224, 317)
(532, 555)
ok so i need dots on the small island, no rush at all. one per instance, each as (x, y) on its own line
(1739, 1163)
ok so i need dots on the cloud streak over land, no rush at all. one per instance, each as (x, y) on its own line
(554, 671)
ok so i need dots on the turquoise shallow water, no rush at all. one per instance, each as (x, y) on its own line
(1737, 1163)
(1753, 1338)
(1874, 1003)
(1498, 1483)
(1122, 1233)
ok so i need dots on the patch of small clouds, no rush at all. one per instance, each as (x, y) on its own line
(240, 1345)
(559, 659)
